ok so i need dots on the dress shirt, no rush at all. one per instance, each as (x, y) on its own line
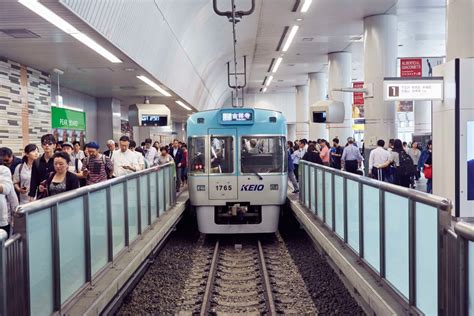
(298, 155)
(127, 158)
(151, 156)
(7, 185)
(351, 153)
(377, 157)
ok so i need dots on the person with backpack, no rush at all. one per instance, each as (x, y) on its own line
(42, 166)
(22, 175)
(402, 163)
(96, 167)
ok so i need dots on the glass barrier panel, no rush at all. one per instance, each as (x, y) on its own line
(153, 196)
(312, 180)
(306, 185)
(426, 228)
(339, 204)
(328, 201)
(118, 217)
(98, 229)
(71, 246)
(471, 278)
(319, 193)
(40, 256)
(161, 190)
(168, 186)
(132, 209)
(353, 214)
(396, 242)
(144, 202)
(371, 226)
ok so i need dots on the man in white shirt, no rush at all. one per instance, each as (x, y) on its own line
(140, 158)
(379, 156)
(6, 188)
(125, 161)
(151, 154)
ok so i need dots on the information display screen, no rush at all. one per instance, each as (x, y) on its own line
(236, 116)
(154, 120)
(470, 160)
(319, 117)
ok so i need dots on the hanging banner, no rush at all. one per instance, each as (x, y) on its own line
(419, 67)
(68, 119)
(405, 106)
(358, 101)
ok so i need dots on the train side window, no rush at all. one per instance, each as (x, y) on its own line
(222, 154)
(196, 155)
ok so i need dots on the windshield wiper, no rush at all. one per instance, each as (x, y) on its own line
(258, 175)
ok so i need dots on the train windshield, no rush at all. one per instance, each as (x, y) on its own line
(196, 155)
(263, 154)
(222, 154)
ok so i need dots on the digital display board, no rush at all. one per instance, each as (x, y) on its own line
(154, 120)
(236, 116)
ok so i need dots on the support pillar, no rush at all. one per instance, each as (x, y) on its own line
(340, 70)
(291, 132)
(317, 92)
(302, 111)
(108, 119)
(459, 29)
(422, 111)
(380, 55)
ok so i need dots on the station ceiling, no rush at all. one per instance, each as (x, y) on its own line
(206, 41)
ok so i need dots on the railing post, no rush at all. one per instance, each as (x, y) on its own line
(361, 220)
(412, 252)
(333, 202)
(139, 206)
(125, 212)
(344, 188)
(148, 181)
(3, 267)
(382, 232)
(324, 196)
(56, 259)
(87, 238)
(110, 245)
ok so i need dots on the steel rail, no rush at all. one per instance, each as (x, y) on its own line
(206, 302)
(269, 300)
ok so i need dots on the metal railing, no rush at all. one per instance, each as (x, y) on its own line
(64, 242)
(396, 232)
(465, 293)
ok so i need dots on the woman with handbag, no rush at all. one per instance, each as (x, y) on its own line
(22, 174)
(60, 180)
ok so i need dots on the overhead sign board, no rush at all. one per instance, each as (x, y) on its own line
(236, 116)
(68, 119)
(396, 89)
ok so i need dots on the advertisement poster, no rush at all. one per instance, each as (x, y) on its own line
(405, 106)
(419, 67)
(358, 101)
(470, 160)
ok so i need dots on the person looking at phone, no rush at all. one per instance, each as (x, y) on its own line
(96, 167)
(22, 174)
(125, 161)
(60, 180)
(43, 166)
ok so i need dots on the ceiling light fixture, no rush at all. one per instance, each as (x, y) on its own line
(264, 90)
(154, 86)
(299, 19)
(65, 26)
(270, 78)
(277, 64)
(181, 103)
(306, 5)
(290, 37)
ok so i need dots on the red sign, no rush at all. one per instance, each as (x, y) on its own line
(411, 67)
(358, 96)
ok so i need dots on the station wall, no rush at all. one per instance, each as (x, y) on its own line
(25, 112)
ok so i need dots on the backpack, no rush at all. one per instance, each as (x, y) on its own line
(406, 167)
(104, 160)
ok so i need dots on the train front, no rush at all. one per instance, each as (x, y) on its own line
(237, 169)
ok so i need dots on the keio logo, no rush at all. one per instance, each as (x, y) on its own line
(252, 187)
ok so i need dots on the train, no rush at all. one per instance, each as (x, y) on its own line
(237, 170)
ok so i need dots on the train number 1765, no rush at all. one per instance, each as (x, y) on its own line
(225, 187)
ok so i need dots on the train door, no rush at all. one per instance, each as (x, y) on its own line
(222, 170)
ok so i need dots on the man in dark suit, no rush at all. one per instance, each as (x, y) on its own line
(470, 179)
(111, 148)
(177, 154)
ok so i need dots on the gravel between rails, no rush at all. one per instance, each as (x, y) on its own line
(329, 294)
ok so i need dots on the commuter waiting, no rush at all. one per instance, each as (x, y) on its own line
(43, 166)
(96, 167)
(6, 190)
(378, 158)
(351, 158)
(22, 175)
(125, 161)
(9, 160)
(60, 180)
(312, 155)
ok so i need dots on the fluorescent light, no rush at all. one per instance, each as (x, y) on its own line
(183, 105)
(306, 5)
(290, 37)
(277, 64)
(269, 81)
(89, 42)
(264, 90)
(66, 27)
(154, 86)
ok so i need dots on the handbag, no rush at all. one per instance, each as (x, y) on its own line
(428, 172)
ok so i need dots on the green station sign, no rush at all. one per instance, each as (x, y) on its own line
(68, 119)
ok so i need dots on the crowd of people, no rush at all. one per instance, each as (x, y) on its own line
(398, 163)
(65, 166)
